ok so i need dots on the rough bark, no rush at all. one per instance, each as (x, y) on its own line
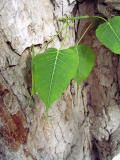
(83, 129)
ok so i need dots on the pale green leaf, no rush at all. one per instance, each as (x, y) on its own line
(53, 71)
(86, 62)
(108, 33)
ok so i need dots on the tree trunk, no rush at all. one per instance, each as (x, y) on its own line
(87, 128)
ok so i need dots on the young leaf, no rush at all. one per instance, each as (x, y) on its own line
(86, 62)
(108, 33)
(53, 71)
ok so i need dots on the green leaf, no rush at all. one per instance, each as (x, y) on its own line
(108, 33)
(86, 62)
(52, 72)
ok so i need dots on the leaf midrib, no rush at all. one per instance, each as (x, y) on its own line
(53, 72)
(113, 31)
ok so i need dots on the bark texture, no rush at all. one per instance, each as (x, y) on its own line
(83, 129)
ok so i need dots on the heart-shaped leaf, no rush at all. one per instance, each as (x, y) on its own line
(86, 62)
(52, 72)
(108, 33)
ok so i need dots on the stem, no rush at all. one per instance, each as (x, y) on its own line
(67, 23)
(81, 17)
(84, 33)
(54, 37)
(32, 50)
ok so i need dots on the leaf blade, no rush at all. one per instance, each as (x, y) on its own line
(108, 34)
(53, 72)
(86, 62)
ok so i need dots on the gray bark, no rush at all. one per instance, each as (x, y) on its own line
(83, 129)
